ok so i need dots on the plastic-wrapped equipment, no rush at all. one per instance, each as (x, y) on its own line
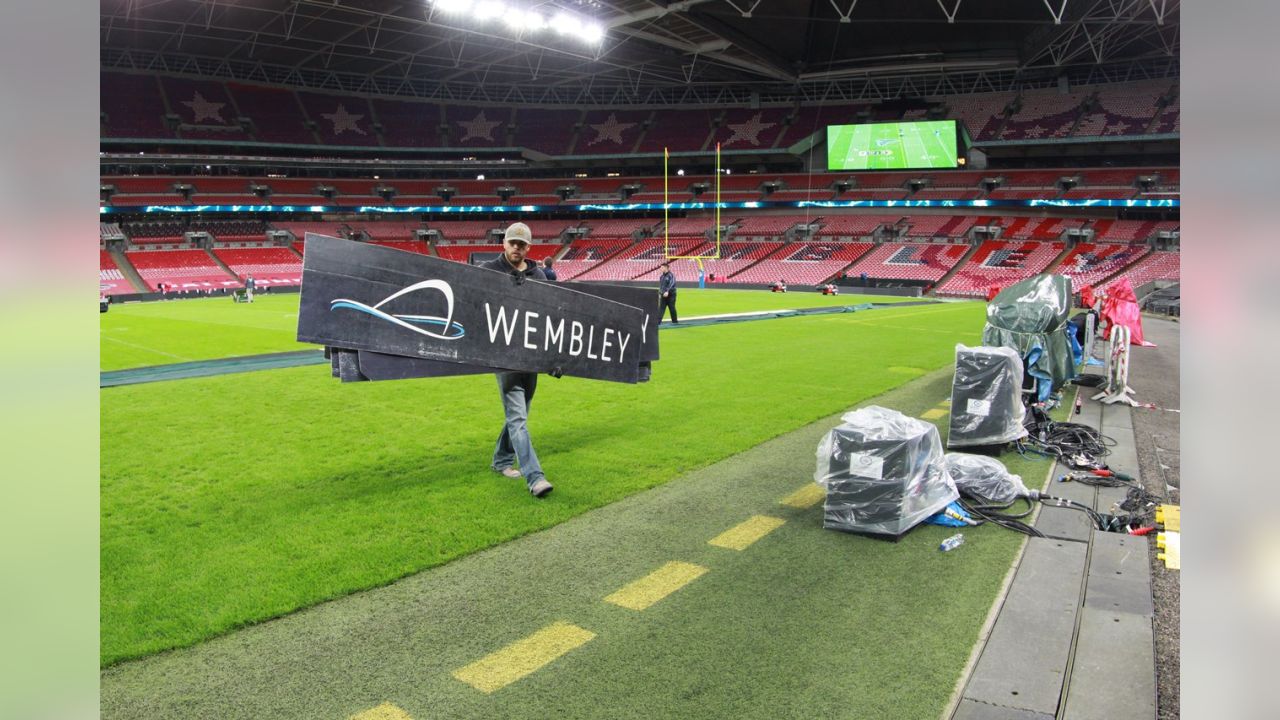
(986, 397)
(1029, 316)
(984, 478)
(883, 473)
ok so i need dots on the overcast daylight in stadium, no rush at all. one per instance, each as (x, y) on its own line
(854, 326)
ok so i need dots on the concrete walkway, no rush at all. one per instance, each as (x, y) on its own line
(1075, 635)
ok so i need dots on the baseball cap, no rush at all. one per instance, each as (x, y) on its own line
(518, 232)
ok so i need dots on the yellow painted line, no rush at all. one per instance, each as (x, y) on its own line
(656, 585)
(946, 403)
(385, 711)
(807, 496)
(523, 657)
(740, 536)
(933, 414)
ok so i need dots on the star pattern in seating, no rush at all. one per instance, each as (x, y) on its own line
(748, 131)
(343, 121)
(479, 127)
(203, 109)
(610, 130)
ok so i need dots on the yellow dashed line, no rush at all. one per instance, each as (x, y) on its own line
(933, 414)
(656, 585)
(385, 711)
(807, 496)
(742, 535)
(523, 657)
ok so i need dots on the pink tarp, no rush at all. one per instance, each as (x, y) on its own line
(1120, 307)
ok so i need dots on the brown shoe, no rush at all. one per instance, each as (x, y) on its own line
(540, 488)
(508, 472)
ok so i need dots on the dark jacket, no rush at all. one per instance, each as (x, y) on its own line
(550, 273)
(667, 283)
(501, 264)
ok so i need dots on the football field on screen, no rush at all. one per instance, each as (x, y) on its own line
(886, 146)
(230, 500)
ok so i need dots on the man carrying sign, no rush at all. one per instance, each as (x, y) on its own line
(517, 388)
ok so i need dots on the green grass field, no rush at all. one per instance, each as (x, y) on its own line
(887, 146)
(160, 333)
(229, 500)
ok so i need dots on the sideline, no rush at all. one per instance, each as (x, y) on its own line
(300, 358)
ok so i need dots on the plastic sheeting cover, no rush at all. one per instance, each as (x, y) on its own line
(982, 477)
(1031, 314)
(986, 397)
(882, 471)
(1120, 307)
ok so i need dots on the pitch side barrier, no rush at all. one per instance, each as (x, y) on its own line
(386, 314)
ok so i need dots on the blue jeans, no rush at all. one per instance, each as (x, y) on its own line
(513, 442)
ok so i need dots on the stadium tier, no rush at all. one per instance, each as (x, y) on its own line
(1123, 109)
(1159, 265)
(1044, 114)
(388, 230)
(454, 230)
(610, 132)
(746, 129)
(678, 130)
(640, 259)
(268, 266)
(736, 257)
(408, 124)
(204, 109)
(909, 261)
(131, 106)
(1127, 230)
(999, 264)
(111, 280)
(853, 226)
(624, 229)
(339, 120)
(1090, 263)
(136, 105)
(585, 255)
(547, 131)
(1017, 184)
(803, 263)
(181, 270)
(300, 229)
(980, 113)
(275, 113)
(931, 226)
(766, 225)
(477, 126)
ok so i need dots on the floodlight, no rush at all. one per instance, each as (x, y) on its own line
(591, 32)
(566, 24)
(453, 6)
(486, 9)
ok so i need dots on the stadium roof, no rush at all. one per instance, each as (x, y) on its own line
(652, 51)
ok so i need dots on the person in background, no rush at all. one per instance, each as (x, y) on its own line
(249, 286)
(667, 288)
(546, 269)
(516, 388)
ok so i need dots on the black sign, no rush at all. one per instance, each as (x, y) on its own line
(357, 296)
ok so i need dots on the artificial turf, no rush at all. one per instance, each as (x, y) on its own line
(160, 333)
(234, 499)
(805, 622)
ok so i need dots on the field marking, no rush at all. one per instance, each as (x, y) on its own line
(933, 414)
(807, 496)
(742, 535)
(144, 347)
(656, 585)
(523, 657)
(385, 711)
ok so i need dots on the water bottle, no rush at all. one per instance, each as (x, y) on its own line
(952, 542)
